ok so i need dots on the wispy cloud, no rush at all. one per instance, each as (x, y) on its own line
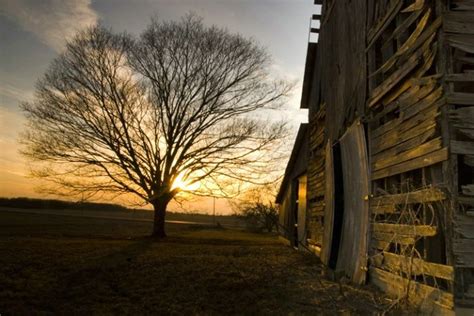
(7, 90)
(52, 21)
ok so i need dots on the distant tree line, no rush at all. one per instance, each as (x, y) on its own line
(23, 202)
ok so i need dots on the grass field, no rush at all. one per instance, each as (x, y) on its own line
(52, 264)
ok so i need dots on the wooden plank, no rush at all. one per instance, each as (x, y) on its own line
(464, 252)
(374, 33)
(420, 162)
(434, 98)
(426, 148)
(403, 134)
(406, 45)
(424, 40)
(464, 225)
(403, 130)
(329, 205)
(394, 238)
(462, 148)
(460, 98)
(468, 189)
(417, 91)
(429, 299)
(406, 145)
(402, 27)
(391, 81)
(468, 76)
(462, 5)
(419, 196)
(463, 117)
(459, 22)
(467, 200)
(464, 42)
(413, 266)
(405, 230)
(353, 252)
(406, 67)
(414, 95)
(415, 6)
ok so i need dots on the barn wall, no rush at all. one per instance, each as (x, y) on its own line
(297, 166)
(341, 64)
(405, 69)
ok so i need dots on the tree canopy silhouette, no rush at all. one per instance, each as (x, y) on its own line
(119, 114)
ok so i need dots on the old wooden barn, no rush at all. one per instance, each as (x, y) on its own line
(388, 170)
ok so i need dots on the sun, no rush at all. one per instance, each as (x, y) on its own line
(184, 185)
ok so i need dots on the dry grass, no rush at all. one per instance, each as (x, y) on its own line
(60, 265)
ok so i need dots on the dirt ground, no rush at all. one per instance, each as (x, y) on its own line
(65, 265)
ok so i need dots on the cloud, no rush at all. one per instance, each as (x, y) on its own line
(52, 21)
(7, 90)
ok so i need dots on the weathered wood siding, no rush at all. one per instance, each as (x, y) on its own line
(405, 69)
(316, 178)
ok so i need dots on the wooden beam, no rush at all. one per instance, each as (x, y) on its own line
(420, 162)
(430, 299)
(459, 22)
(374, 33)
(405, 230)
(404, 129)
(460, 97)
(406, 145)
(468, 76)
(464, 42)
(426, 148)
(419, 196)
(412, 266)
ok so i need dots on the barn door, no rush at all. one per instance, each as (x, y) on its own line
(329, 205)
(352, 257)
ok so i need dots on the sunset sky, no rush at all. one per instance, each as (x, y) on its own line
(33, 32)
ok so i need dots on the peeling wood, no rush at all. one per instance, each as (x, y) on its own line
(403, 130)
(421, 150)
(405, 230)
(419, 196)
(420, 162)
(374, 33)
(397, 76)
(402, 27)
(406, 145)
(406, 45)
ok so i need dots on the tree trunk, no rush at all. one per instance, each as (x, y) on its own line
(159, 219)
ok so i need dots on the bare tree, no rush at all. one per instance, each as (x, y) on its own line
(117, 114)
